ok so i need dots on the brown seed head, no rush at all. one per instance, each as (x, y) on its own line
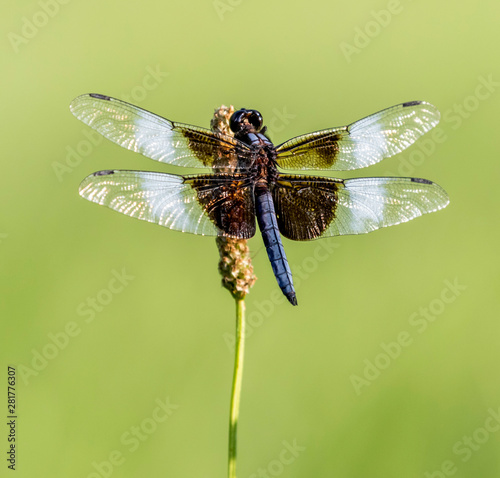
(235, 265)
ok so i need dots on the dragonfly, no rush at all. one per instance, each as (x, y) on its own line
(242, 183)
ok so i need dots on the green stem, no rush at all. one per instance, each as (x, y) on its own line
(239, 353)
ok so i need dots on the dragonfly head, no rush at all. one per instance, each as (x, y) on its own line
(249, 121)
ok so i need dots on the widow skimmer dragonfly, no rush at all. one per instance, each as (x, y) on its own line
(244, 182)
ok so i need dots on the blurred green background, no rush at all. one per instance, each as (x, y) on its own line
(388, 367)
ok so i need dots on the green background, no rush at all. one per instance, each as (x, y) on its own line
(166, 333)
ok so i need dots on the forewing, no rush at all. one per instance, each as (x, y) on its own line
(362, 143)
(197, 204)
(312, 207)
(158, 138)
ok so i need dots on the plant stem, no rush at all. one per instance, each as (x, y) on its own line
(239, 353)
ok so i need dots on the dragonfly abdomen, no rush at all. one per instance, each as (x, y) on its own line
(268, 225)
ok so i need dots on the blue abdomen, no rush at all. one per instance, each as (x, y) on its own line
(266, 217)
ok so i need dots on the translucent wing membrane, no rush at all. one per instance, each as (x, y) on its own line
(222, 203)
(362, 143)
(156, 137)
(312, 207)
(212, 205)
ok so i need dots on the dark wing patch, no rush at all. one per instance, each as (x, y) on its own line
(305, 206)
(362, 143)
(229, 205)
(158, 138)
(318, 150)
(212, 150)
(204, 205)
(333, 207)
